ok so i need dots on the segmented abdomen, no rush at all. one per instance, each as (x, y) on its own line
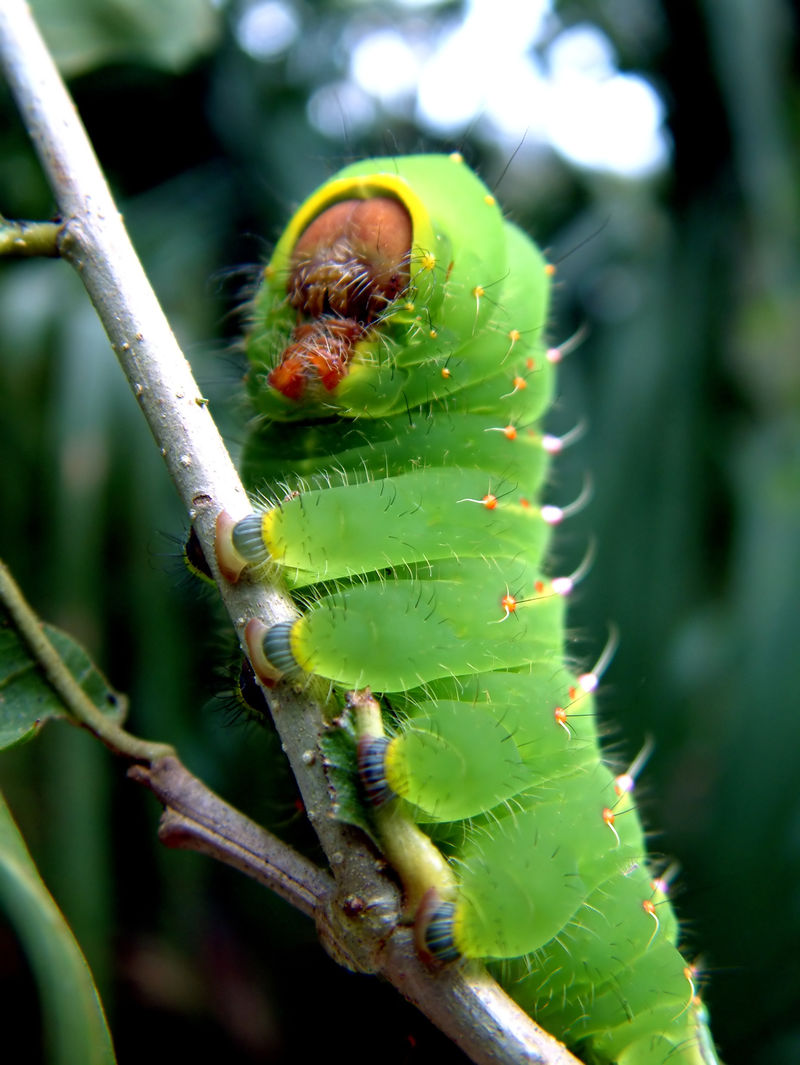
(407, 522)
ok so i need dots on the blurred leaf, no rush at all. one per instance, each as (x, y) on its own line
(74, 1021)
(89, 34)
(26, 698)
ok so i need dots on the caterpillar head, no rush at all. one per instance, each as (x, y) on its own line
(380, 275)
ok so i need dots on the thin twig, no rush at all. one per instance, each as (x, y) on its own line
(195, 818)
(95, 242)
(481, 1018)
(75, 700)
(24, 240)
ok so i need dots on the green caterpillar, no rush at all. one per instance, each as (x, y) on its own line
(399, 369)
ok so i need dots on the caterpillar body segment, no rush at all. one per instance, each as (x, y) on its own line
(399, 369)
(355, 635)
(321, 531)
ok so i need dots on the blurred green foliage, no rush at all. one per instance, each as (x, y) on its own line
(689, 382)
(74, 1025)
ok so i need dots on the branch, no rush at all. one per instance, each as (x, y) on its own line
(197, 819)
(22, 240)
(93, 239)
(75, 700)
(362, 915)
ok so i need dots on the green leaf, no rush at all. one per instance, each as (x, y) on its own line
(26, 699)
(75, 1025)
(86, 34)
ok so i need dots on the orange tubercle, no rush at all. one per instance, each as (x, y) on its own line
(508, 603)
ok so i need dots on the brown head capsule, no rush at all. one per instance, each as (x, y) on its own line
(348, 265)
(352, 260)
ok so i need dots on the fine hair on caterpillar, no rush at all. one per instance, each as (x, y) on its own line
(414, 539)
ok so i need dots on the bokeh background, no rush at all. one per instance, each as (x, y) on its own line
(653, 149)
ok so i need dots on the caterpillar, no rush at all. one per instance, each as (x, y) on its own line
(399, 372)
